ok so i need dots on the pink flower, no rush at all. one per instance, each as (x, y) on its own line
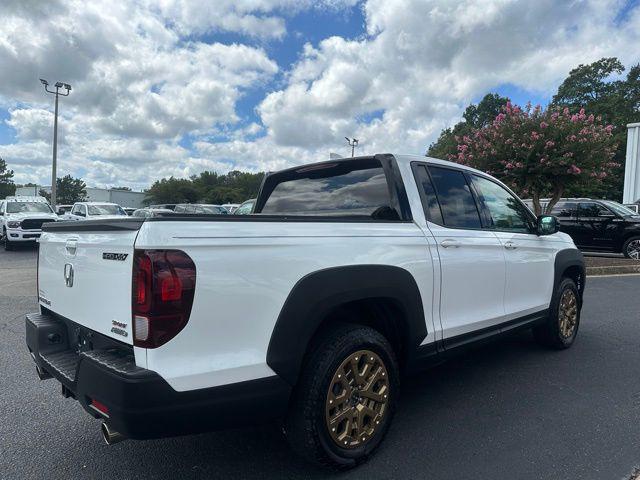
(544, 125)
(509, 166)
(549, 144)
(608, 128)
(574, 170)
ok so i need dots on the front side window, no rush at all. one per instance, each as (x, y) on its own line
(591, 209)
(28, 207)
(356, 189)
(505, 211)
(456, 201)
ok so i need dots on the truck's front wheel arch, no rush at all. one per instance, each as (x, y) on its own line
(382, 297)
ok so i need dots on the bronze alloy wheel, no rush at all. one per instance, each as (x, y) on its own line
(357, 400)
(568, 313)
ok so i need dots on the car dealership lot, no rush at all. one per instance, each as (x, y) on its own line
(509, 410)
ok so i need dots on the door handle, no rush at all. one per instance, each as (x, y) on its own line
(510, 245)
(446, 243)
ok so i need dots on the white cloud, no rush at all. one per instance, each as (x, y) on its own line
(423, 61)
(147, 85)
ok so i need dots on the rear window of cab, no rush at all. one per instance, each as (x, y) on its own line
(345, 189)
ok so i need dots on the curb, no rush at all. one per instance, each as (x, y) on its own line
(613, 270)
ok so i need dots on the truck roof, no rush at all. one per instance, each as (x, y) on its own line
(400, 158)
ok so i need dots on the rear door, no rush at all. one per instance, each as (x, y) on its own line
(85, 275)
(471, 259)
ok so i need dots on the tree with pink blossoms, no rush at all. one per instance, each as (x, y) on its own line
(540, 153)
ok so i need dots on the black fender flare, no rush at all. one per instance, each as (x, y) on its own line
(565, 259)
(317, 294)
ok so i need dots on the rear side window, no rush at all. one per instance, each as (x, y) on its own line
(457, 204)
(356, 189)
(564, 209)
(428, 194)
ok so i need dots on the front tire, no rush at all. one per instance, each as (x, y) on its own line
(7, 244)
(344, 402)
(631, 248)
(560, 329)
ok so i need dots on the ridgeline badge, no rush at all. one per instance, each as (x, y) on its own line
(121, 257)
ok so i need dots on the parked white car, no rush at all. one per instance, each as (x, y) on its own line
(95, 211)
(348, 275)
(21, 219)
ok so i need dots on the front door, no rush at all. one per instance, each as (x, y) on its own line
(472, 262)
(529, 257)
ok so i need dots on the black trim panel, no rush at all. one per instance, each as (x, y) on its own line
(317, 294)
(126, 224)
(478, 336)
(565, 259)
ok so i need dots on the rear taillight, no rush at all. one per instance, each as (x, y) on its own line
(164, 282)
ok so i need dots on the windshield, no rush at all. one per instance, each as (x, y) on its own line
(105, 210)
(32, 207)
(618, 208)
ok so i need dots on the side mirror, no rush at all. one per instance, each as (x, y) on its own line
(60, 211)
(547, 225)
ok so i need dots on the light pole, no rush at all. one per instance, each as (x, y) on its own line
(57, 93)
(353, 143)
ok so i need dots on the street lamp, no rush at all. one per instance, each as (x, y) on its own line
(57, 93)
(353, 143)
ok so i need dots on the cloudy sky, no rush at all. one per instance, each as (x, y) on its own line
(175, 87)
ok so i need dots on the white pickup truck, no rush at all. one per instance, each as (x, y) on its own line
(349, 275)
(21, 219)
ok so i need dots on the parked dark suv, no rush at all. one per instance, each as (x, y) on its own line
(598, 225)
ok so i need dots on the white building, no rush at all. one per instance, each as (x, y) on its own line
(124, 198)
(631, 193)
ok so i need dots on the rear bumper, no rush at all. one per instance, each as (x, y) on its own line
(140, 403)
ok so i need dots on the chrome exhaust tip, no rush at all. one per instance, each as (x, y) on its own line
(109, 436)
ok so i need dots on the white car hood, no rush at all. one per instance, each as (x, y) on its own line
(31, 215)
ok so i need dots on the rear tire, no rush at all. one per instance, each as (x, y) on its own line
(333, 418)
(560, 329)
(631, 248)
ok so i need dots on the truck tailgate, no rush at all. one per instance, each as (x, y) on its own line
(85, 276)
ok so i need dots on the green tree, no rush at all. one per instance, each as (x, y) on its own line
(540, 152)
(600, 89)
(207, 187)
(7, 187)
(68, 190)
(475, 116)
(172, 190)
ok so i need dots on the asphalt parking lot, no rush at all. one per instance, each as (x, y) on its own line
(510, 410)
